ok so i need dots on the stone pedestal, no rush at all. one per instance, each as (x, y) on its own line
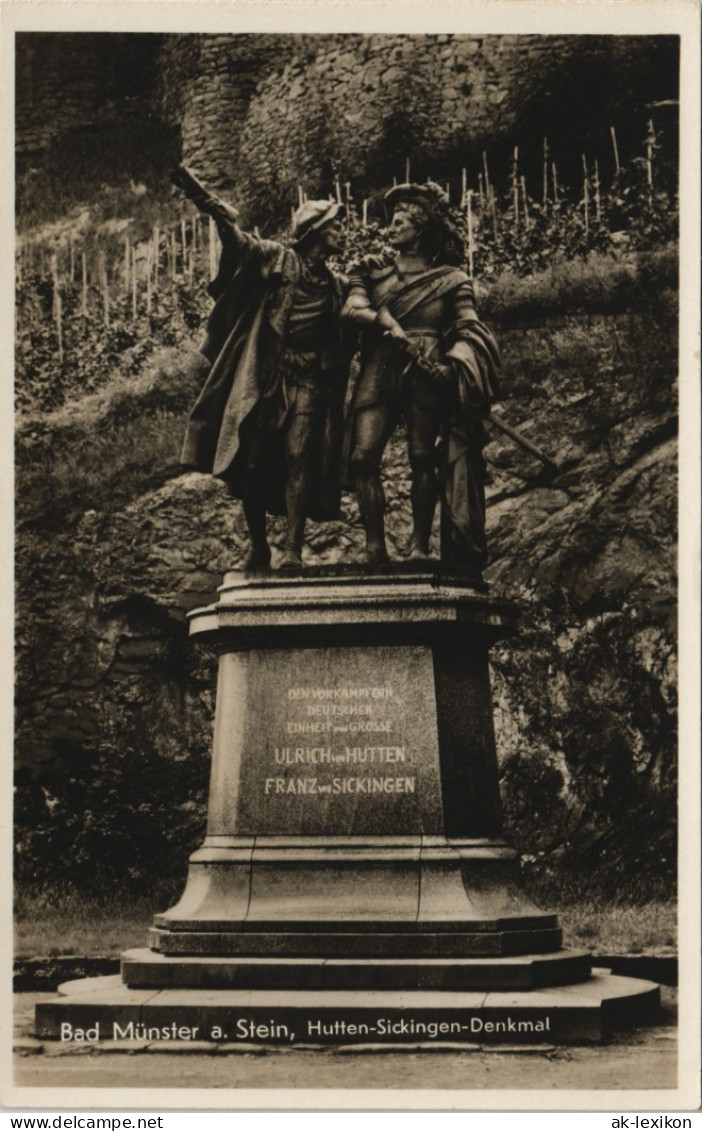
(354, 806)
(354, 859)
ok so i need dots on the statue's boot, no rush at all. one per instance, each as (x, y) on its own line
(418, 552)
(374, 555)
(297, 494)
(423, 496)
(257, 559)
(371, 502)
(292, 556)
(259, 555)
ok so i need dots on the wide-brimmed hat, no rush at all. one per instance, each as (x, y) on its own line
(313, 215)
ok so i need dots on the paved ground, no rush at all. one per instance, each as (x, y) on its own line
(642, 1059)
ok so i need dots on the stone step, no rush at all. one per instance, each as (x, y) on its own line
(143, 967)
(355, 943)
(103, 1009)
(539, 921)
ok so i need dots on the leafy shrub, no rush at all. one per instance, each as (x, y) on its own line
(614, 744)
(100, 451)
(114, 814)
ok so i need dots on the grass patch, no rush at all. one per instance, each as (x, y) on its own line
(620, 928)
(100, 451)
(52, 924)
(638, 919)
(167, 381)
(601, 284)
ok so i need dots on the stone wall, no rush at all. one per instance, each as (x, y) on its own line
(79, 81)
(363, 104)
(263, 113)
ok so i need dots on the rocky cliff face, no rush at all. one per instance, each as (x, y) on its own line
(584, 697)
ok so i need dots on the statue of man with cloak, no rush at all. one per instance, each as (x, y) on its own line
(269, 418)
(425, 356)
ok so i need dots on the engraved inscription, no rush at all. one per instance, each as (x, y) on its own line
(340, 742)
(340, 707)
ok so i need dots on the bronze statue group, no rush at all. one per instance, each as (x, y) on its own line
(270, 420)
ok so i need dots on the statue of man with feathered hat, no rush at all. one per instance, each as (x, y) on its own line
(426, 357)
(269, 418)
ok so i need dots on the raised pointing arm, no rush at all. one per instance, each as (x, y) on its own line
(235, 241)
(224, 215)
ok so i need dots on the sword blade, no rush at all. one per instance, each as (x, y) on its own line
(518, 438)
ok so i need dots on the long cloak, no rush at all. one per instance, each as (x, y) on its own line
(245, 339)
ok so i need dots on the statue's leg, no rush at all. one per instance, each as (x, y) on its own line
(423, 421)
(300, 439)
(374, 425)
(254, 446)
(259, 556)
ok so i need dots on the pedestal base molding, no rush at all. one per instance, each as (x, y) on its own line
(333, 896)
(143, 968)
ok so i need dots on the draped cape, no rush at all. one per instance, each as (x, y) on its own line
(245, 339)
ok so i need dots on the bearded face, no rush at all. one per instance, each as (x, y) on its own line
(331, 236)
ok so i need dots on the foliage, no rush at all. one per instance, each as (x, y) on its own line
(51, 919)
(626, 217)
(93, 351)
(612, 752)
(113, 813)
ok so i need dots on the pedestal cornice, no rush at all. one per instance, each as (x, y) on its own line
(395, 604)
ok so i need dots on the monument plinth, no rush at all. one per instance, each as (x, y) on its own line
(354, 805)
(355, 883)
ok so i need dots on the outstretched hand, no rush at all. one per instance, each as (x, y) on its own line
(184, 178)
